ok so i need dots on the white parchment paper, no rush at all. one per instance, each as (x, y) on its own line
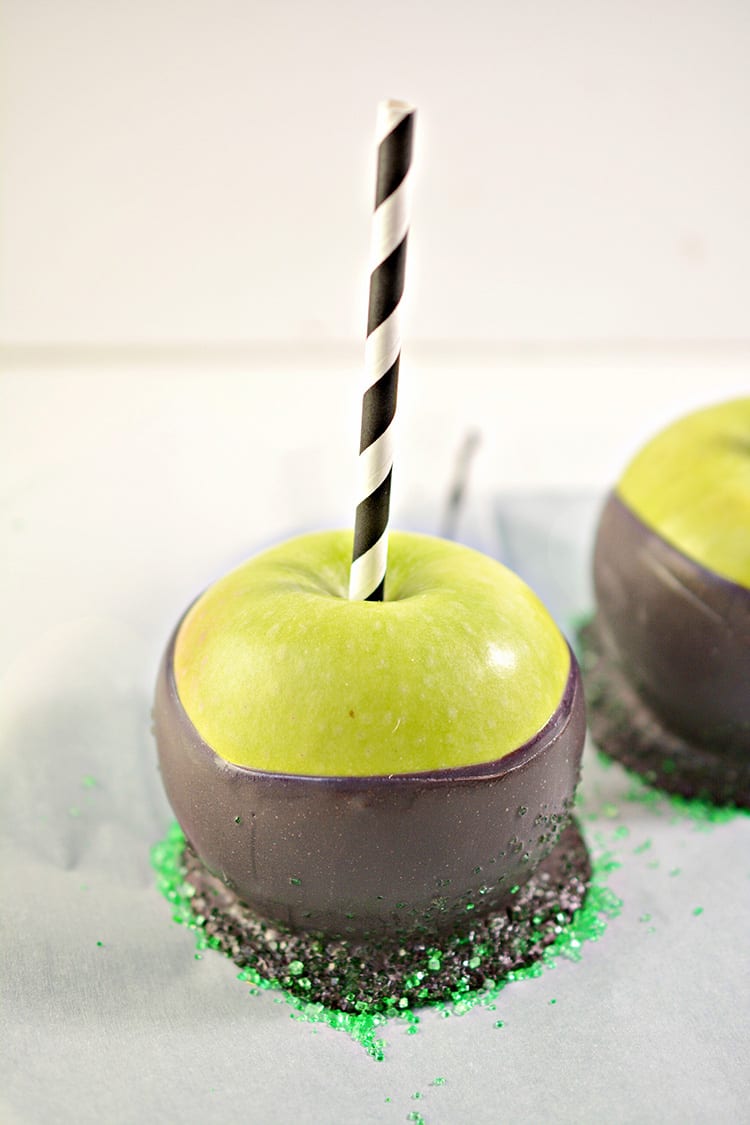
(106, 1013)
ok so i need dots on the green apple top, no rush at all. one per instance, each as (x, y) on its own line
(279, 671)
(691, 485)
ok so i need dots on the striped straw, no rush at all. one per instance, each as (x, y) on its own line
(395, 130)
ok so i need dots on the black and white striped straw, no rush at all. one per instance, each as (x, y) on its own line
(395, 131)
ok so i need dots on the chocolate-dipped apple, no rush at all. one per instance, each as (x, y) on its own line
(668, 668)
(370, 768)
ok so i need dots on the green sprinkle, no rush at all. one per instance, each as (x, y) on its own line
(88, 782)
(415, 1117)
(645, 918)
(704, 814)
(438, 1082)
(295, 882)
(499, 1023)
(238, 820)
(514, 890)
(74, 811)
(417, 1096)
(364, 1025)
(100, 944)
(675, 871)
(698, 910)
(553, 1000)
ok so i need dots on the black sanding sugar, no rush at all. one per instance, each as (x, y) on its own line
(359, 977)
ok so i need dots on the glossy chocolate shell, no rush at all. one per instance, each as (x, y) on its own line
(679, 632)
(370, 856)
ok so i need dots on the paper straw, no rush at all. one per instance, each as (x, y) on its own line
(395, 130)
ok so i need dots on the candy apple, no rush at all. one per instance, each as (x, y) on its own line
(672, 581)
(365, 767)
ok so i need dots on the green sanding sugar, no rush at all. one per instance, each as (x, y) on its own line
(703, 814)
(465, 972)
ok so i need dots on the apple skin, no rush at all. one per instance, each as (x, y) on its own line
(671, 572)
(279, 670)
(382, 857)
(691, 485)
(370, 769)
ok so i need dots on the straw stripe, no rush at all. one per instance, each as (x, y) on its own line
(395, 130)
(394, 158)
(372, 517)
(383, 347)
(386, 287)
(375, 463)
(372, 560)
(390, 224)
(379, 407)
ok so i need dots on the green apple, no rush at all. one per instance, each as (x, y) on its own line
(670, 679)
(278, 670)
(691, 485)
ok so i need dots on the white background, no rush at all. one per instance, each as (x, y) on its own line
(176, 170)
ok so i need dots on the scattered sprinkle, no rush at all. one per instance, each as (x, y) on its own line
(703, 814)
(366, 1023)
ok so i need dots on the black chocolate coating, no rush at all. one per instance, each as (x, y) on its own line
(368, 856)
(680, 633)
(624, 725)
